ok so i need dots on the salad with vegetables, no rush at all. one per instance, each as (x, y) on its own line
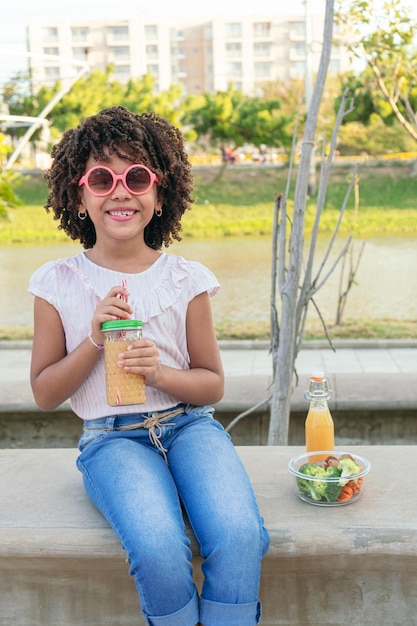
(340, 470)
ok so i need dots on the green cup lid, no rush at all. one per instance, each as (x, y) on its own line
(121, 324)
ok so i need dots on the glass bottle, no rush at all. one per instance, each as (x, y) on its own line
(319, 426)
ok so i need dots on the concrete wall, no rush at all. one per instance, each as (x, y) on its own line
(61, 429)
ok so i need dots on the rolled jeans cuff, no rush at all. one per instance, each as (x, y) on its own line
(189, 614)
(221, 614)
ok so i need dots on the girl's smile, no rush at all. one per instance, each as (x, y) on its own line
(122, 214)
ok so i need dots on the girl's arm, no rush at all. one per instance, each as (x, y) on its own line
(203, 383)
(54, 374)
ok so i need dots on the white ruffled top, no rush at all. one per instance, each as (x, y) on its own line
(159, 297)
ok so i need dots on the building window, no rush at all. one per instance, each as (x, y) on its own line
(233, 29)
(80, 53)
(262, 49)
(121, 53)
(152, 51)
(50, 33)
(262, 29)
(233, 49)
(299, 48)
(334, 65)
(263, 71)
(121, 73)
(153, 68)
(151, 31)
(79, 34)
(52, 73)
(234, 70)
(297, 29)
(51, 51)
(120, 33)
(298, 69)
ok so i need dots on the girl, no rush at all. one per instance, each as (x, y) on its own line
(120, 183)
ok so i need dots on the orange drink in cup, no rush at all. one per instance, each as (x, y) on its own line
(122, 388)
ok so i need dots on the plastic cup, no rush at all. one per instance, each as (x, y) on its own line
(122, 388)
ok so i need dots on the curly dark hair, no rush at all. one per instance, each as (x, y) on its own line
(147, 138)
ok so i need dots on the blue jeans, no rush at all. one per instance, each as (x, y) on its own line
(142, 481)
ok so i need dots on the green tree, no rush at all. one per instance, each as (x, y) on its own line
(19, 100)
(87, 96)
(231, 117)
(376, 138)
(383, 39)
(291, 98)
(140, 97)
(90, 94)
(8, 181)
(364, 105)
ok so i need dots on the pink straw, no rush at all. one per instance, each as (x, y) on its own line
(122, 296)
(124, 284)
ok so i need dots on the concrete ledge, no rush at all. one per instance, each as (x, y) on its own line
(351, 392)
(313, 344)
(249, 377)
(61, 565)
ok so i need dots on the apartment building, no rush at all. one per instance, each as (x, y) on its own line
(201, 55)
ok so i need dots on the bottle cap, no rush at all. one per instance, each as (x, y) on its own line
(317, 376)
(121, 325)
(319, 387)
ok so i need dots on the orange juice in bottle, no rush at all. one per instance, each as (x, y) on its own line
(319, 427)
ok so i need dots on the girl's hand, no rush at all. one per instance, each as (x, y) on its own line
(142, 357)
(114, 306)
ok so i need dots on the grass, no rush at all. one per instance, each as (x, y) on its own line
(380, 329)
(241, 204)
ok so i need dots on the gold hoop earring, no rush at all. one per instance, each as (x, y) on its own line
(158, 212)
(82, 216)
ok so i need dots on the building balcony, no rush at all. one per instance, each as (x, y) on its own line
(117, 40)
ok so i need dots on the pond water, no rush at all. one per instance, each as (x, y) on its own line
(385, 286)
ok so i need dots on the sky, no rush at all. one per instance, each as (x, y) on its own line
(16, 14)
